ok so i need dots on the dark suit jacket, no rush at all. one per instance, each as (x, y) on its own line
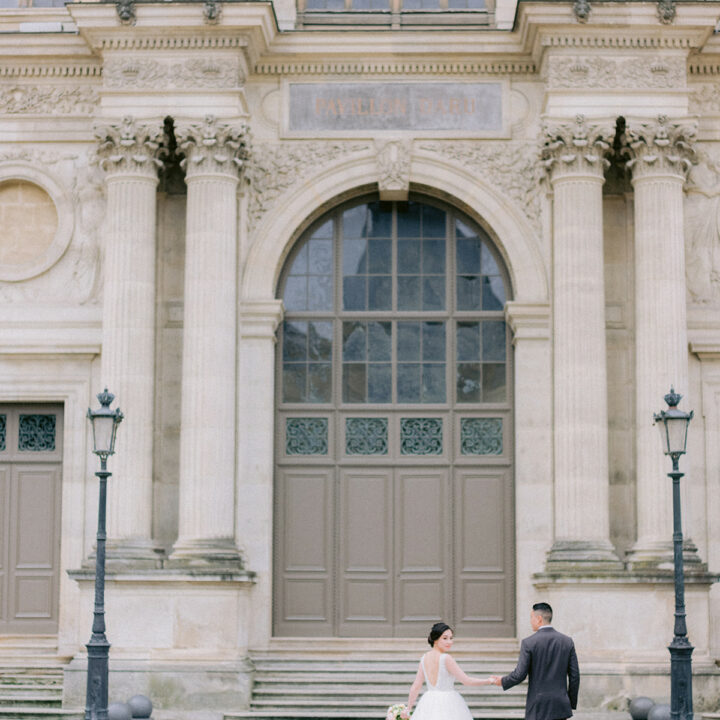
(549, 658)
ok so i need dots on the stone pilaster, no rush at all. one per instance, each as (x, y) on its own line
(574, 156)
(660, 154)
(214, 152)
(128, 154)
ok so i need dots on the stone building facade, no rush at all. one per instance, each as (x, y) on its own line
(388, 297)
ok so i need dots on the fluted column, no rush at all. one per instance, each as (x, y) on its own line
(128, 154)
(213, 156)
(660, 155)
(574, 155)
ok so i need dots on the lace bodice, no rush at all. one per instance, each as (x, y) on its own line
(445, 681)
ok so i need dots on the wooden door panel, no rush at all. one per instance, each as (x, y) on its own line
(484, 568)
(365, 552)
(304, 573)
(4, 539)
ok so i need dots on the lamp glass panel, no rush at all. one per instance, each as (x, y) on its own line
(103, 433)
(676, 434)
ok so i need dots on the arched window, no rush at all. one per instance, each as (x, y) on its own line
(394, 387)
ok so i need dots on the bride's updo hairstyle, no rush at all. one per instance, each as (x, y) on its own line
(436, 632)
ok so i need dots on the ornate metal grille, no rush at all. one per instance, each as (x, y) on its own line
(421, 436)
(481, 436)
(366, 436)
(36, 433)
(306, 436)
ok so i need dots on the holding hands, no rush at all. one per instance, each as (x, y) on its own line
(495, 680)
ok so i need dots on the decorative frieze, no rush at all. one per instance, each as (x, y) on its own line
(393, 160)
(705, 99)
(48, 100)
(274, 169)
(660, 146)
(576, 148)
(132, 73)
(129, 147)
(644, 73)
(213, 147)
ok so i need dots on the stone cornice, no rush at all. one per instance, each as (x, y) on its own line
(50, 70)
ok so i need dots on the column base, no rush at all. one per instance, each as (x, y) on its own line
(129, 554)
(574, 557)
(211, 553)
(658, 555)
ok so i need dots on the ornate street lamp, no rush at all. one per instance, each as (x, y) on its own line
(104, 425)
(673, 425)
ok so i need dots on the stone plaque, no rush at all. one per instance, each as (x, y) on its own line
(435, 107)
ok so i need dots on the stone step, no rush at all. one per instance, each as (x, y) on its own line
(38, 713)
(34, 690)
(486, 695)
(355, 702)
(348, 714)
(33, 699)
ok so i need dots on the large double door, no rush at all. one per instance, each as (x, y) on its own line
(30, 488)
(393, 482)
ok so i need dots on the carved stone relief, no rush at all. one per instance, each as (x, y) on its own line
(702, 229)
(211, 146)
(576, 147)
(705, 99)
(136, 72)
(274, 169)
(393, 160)
(511, 168)
(661, 145)
(604, 72)
(129, 147)
(47, 100)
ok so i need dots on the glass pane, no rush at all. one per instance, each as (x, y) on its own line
(468, 292)
(408, 257)
(379, 383)
(379, 293)
(434, 293)
(295, 295)
(354, 385)
(300, 262)
(493, 293)
(408, 293)
(294, 381)
(467, 256)
(408, 346)
(493, 340)
(320, 382)
(320, 295)
(294, 340)
(433, 383)
(408, 383)
(3, 431)
(468, 341)
(306, 436)
(466, 4)
(489, 266)
(354, 222)
(320, 341)
(36, 433)
(320, 259)
(354, 256)
(493, 382)
(379, 341)
(433, 257)
(380, 257)
(468, 382)
(433, 335)
(408, 218)
(354, 293)
(354, 341)
(366, 436)
(380, 213)
(433, 219)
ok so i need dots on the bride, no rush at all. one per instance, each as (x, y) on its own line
(439, 671)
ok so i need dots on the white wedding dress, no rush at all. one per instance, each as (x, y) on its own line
(441, 701)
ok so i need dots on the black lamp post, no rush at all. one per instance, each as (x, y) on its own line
(104, 425)
(673, 425)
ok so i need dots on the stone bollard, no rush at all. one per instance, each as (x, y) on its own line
(140, 706)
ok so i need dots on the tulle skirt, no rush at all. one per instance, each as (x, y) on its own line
(441, 705)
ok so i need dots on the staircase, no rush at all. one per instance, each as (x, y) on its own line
(32, 693)
(360, 685)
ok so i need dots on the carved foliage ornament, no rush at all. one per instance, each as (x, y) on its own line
(659, 146)
(47, 100)
(393, 159)
(129, 147)
(211, 146)
(192, 73)
(576, 147)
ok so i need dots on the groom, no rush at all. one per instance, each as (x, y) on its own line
(549, 658)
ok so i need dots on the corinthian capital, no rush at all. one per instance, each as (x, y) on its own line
(659, 147)
(129, 148)
(213, 147)
(578, 148)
